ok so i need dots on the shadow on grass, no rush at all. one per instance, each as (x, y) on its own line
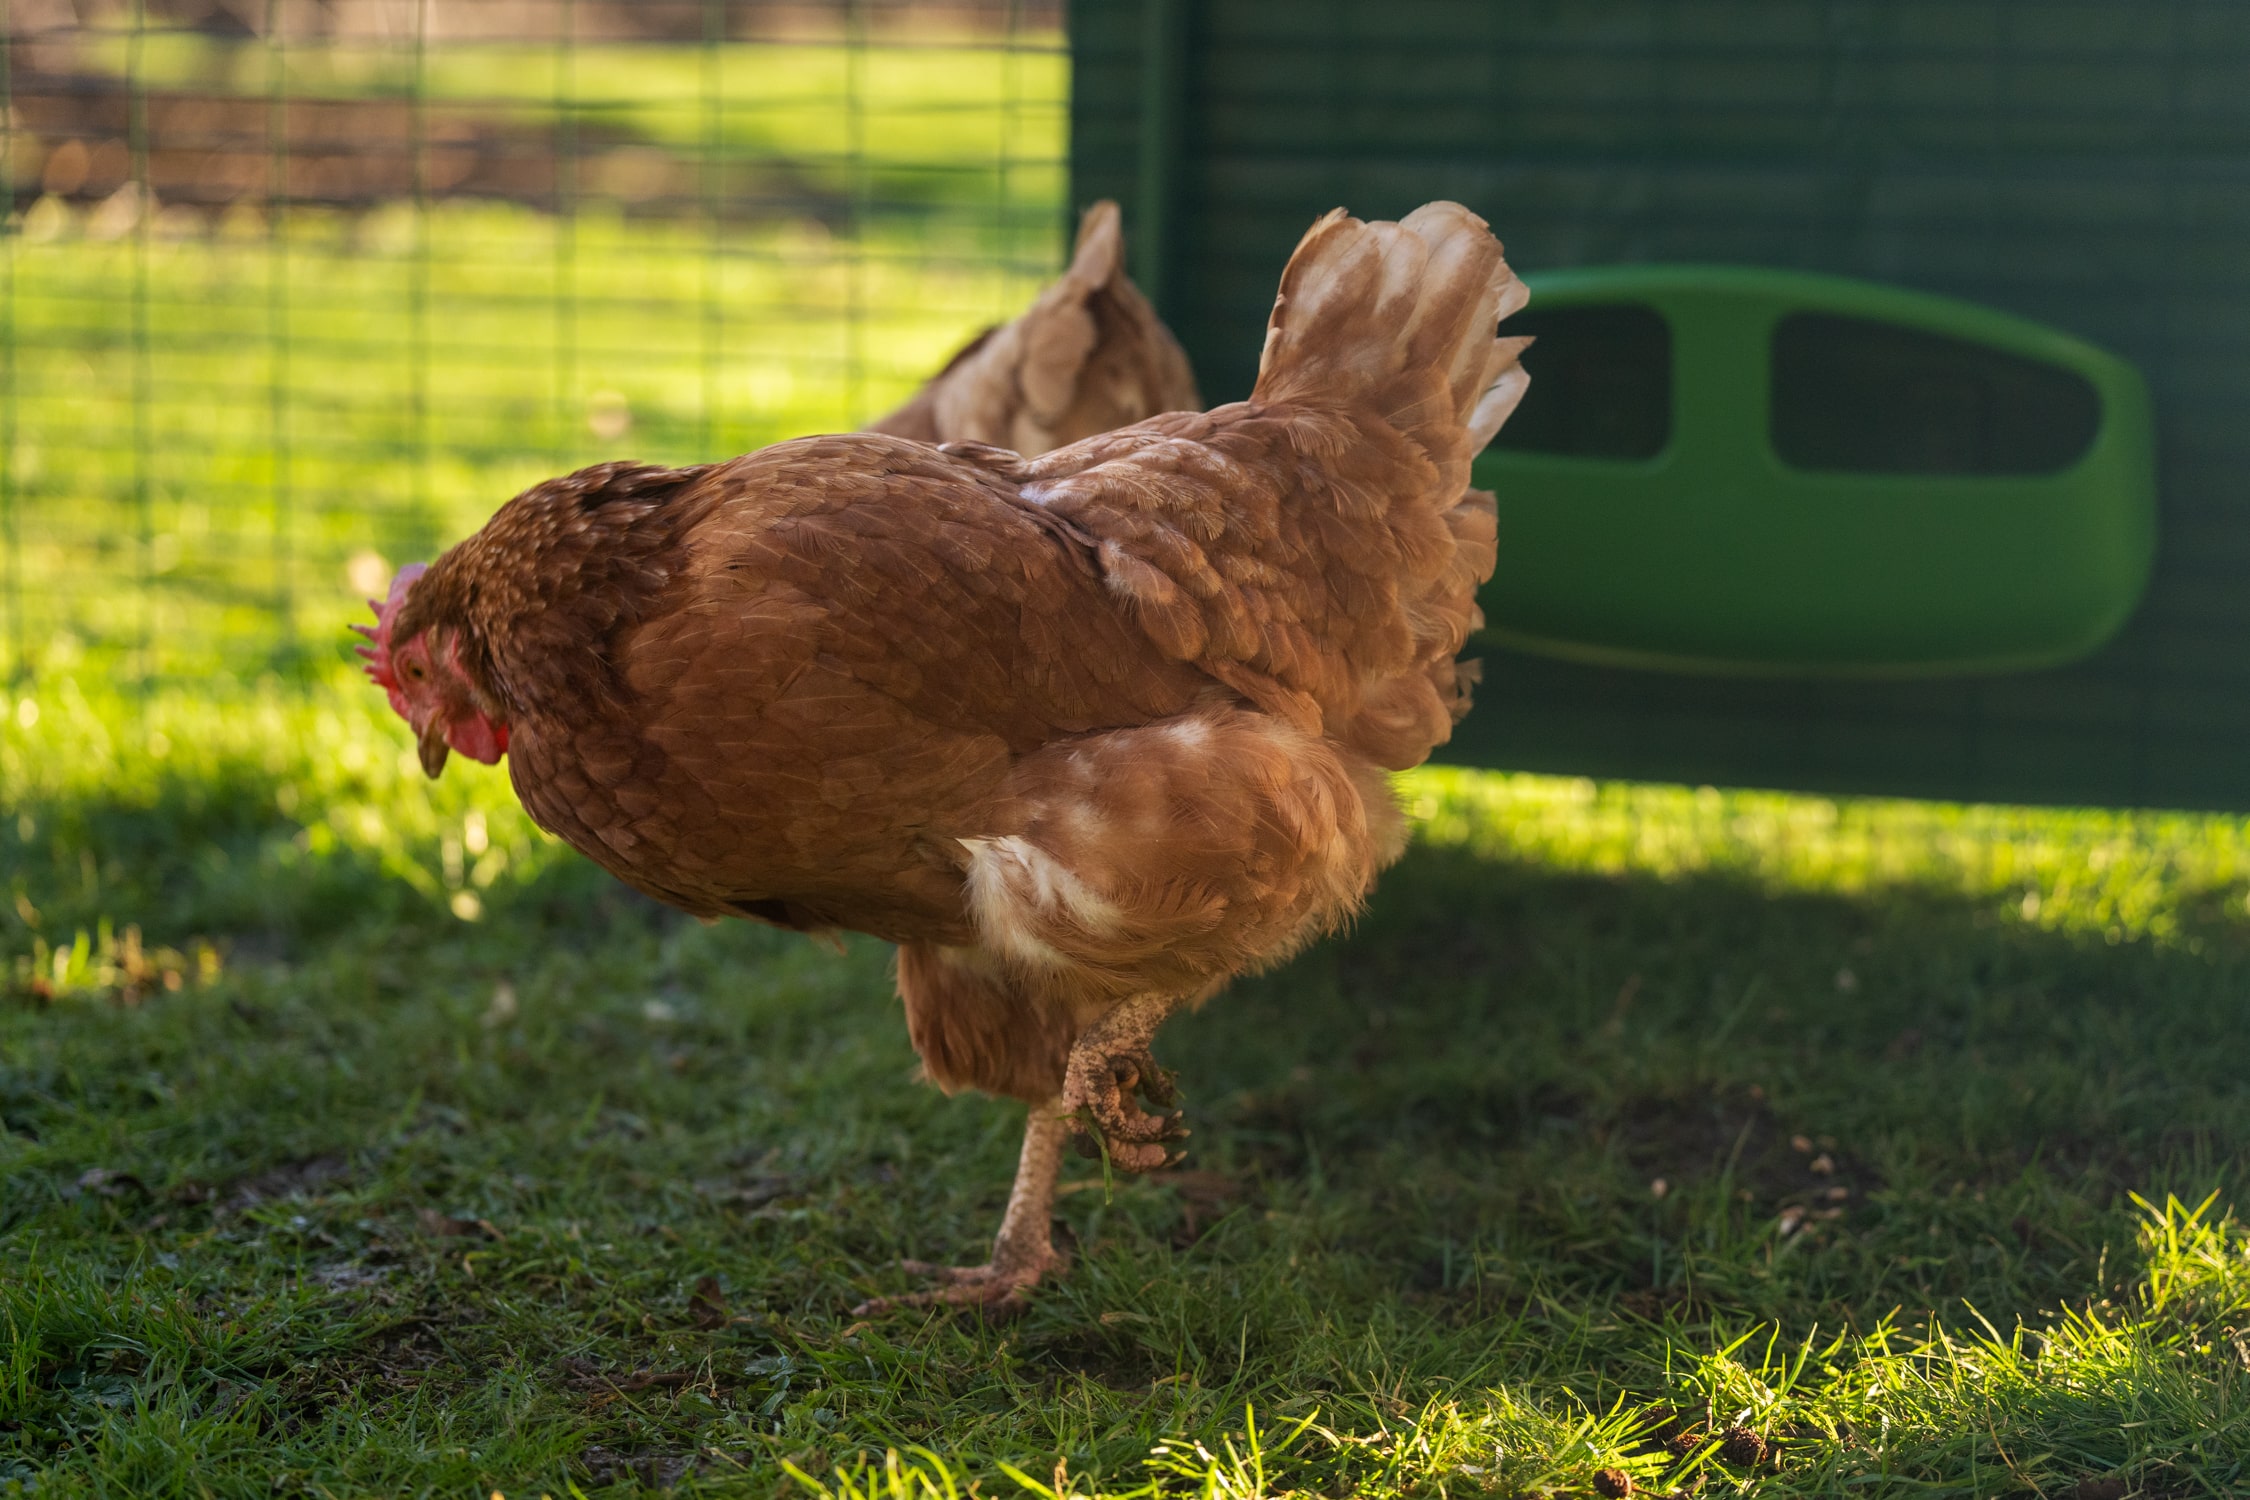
(1663, 1072)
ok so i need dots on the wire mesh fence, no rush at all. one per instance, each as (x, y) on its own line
(294, 290)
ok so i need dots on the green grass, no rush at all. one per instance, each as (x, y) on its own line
(409, 1186)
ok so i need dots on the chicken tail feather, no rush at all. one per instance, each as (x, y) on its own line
(1400, 317)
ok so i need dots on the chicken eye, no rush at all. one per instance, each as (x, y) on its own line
(414, 671)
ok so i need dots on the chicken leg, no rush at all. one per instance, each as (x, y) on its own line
(1023, 1251)
(1108, 1065)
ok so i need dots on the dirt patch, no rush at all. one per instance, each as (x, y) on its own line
(209, 150)
(1732, 1134)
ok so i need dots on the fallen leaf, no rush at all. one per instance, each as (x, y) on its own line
(751, 1192)
(445, 1226)
(707, 1305)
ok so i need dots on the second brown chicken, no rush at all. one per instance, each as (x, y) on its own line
(1088, 356)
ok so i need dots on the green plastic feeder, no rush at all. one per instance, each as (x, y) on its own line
(1724, 469)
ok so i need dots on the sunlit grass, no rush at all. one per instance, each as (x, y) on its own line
(2111, 873)
(231, 807)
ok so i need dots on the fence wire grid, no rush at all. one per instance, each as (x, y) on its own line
(292, 291)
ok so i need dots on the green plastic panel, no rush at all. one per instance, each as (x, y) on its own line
(1724, 469)
(2081, 164)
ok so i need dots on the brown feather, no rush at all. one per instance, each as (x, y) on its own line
(1106, 723)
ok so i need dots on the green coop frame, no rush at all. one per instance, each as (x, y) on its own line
(2082, 168)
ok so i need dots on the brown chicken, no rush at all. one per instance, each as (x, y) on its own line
(1084, 735)
(1089, 356)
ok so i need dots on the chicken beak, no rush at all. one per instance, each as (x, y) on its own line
(431, 741)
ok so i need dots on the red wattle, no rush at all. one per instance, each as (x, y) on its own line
(478, 738)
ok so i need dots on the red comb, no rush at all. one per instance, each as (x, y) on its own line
(378, 653)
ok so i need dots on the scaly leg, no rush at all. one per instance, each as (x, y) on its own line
(1108, 1065)
(1024, 1249)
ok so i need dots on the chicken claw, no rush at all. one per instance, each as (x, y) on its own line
(1108, 1067)
(1000, 1290)
(1023, 1252)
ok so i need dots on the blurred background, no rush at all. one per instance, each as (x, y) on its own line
(297, 290)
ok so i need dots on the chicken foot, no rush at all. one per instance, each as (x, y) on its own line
(1109, 1064)
(1023, 1251)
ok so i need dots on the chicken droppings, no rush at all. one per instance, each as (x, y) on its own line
(1742, 1447)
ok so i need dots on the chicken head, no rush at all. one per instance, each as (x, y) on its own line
(427, 686)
